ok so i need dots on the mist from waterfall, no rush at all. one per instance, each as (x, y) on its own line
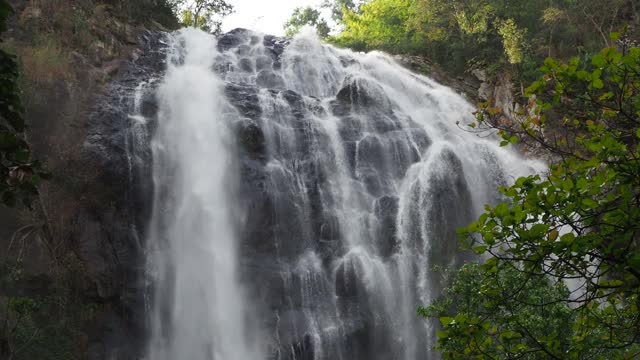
(303, 194)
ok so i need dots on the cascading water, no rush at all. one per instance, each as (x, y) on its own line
(199, 310)
(302, 195)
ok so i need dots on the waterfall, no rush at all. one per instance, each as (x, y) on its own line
(303, 194)
(200, 308)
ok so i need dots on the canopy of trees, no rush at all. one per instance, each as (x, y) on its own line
(485, 33)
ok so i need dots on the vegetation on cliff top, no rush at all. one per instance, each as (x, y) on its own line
(465, 34)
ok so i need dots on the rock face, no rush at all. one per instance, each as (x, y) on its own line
(112, 230)
(96, 206)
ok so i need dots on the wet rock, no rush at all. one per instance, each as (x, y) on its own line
(245, 99)
(351, 128)
(243, 50)
(110, 222)
(448, 209)
(263, 63)
(346, 282)
(386, 210)
(302, 349)
(372, 153)
(233, 39)
(245, 65)
(269, 79)
(330, 228)
(373, 180)
(363, 93)
(275, 44)
(251, 138)
(419, 140)
(297, 104)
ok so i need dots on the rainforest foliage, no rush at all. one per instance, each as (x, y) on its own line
(561, 278)
(460, 34)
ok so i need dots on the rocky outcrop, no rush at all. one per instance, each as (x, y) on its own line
(468, 85)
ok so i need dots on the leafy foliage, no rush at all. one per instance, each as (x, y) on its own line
(505, 325)
(380, 24)
(577, 225)
(19, 173)
(465, 33)
(306, 17)
(45, 325)
(512, 40)
(204, 14)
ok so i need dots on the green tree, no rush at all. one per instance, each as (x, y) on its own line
(380, 24)
(19, 173)
(306, 17)
(579, 224)
(475, 323)
(337, 7)
(512, 40)
(204, 14)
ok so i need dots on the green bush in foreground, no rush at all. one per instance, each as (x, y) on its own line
(577, 226)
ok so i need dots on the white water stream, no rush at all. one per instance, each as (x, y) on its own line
(199, 305)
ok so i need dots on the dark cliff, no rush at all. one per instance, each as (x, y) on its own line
(80, 274)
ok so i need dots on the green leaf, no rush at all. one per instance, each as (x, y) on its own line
(502, 209)
(589, 203)
(567, 185)
(599, 60)
(480, 249)
(598, 83)
(446, 320)
(538, 229)
(581, 184)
